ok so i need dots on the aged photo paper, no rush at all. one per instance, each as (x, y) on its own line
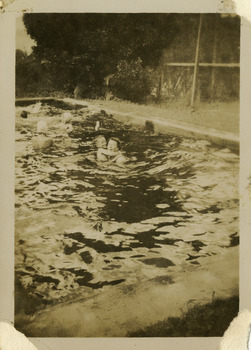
(101, 243)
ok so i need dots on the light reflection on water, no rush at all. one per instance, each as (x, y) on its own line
(84, 223)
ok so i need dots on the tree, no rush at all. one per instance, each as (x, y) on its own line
(32, 76)
(84, 48)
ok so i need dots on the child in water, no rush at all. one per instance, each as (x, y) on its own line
(41, 141)
(66, 122)
(101, 144)
(112, 153)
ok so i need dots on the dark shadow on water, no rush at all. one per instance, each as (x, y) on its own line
(99, 285)
(98, 245)
(158, 262)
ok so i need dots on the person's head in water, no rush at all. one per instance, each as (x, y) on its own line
(149, 127)
(42, 127)
(113, 144)
(24, 114)
(66, 117)
(101, 141)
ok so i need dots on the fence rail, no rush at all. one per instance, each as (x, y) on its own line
(183, 64)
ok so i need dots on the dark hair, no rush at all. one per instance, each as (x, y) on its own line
(24, 114)
(116, 140)
(99, 138)
(149, 127)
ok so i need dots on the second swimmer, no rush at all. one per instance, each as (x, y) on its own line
(112, 153)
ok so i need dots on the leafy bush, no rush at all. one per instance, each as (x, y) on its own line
(132, 81)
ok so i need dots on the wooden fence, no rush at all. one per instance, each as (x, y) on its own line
(196, 65)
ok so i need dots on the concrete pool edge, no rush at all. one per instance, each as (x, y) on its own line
(222, 138)
(225, 139)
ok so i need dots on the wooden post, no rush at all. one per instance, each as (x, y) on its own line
(212, 83)
(161, 79)
(196, 62)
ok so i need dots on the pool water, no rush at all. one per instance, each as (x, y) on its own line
(83, 225)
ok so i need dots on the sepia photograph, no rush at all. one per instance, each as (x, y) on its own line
(126, 174)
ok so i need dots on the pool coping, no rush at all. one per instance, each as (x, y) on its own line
(222, 138)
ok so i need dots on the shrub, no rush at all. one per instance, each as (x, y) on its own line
(132, 81)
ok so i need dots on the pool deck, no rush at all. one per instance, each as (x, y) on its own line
(161, 124)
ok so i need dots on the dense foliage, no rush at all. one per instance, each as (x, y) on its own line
(30, 75)
(132, 81)
(85, 48)
(80, 53)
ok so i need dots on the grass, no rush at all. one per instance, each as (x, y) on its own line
(210, 320)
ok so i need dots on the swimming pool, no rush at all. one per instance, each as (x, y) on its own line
(84, 227)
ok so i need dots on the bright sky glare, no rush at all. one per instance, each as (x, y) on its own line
(23, 40)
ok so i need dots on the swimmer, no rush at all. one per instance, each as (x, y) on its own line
(97, 126)
(42, 127)
(101, 141)
(112, 153)
(66, 122)
(24, 114)
(149, 127)
(41, 141)
(66, 117)
(101, 145)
